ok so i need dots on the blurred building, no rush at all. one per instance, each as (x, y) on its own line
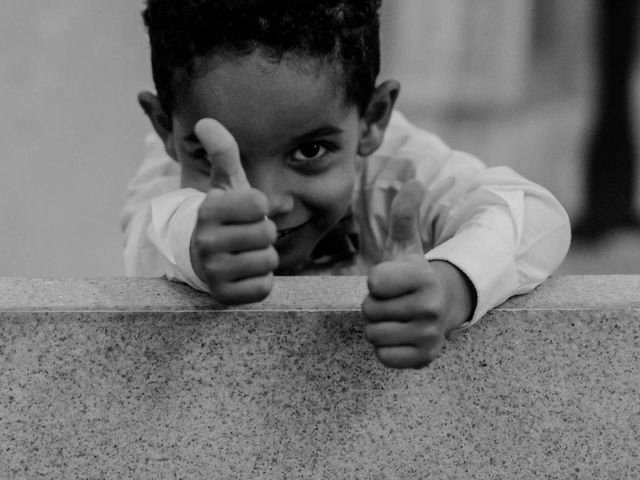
(506, 80)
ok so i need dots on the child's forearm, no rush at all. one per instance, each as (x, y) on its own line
(161, 244)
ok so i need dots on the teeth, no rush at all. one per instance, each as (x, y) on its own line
(288, 231)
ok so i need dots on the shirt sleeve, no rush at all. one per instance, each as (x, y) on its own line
(505, 233)
(158, 219)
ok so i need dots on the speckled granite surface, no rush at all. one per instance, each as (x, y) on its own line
(145, 379)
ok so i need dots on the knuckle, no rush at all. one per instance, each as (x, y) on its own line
(427, 333)
(430, 304)
(371, 310)
(269, 231)
(367, 306)
(218, 269)
(265, 262)
(272, 259)
(375, 279)
(263, 288)
(203, 244)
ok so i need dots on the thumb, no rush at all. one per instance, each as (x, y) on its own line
(404, 237)
(223, 154)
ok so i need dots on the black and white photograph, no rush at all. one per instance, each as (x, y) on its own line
(320, 239)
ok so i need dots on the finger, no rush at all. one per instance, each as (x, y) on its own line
(403, 357)
(233, 206)
(393, 279)
(248, 290)
(244, 265)
(422, 334)
(404, 237)
(389, 334)
(223, 154)
(404, 308)
(233, 239)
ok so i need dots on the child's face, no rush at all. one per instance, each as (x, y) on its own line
(298, 141)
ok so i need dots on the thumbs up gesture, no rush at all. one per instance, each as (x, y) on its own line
(232, 243)
(412, 302)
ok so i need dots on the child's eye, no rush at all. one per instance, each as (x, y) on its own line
(310, 151)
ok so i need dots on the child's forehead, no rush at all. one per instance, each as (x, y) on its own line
(287, 70)
(255, 92)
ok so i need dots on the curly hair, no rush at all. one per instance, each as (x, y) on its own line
(345, 33)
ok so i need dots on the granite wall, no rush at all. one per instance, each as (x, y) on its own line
(146, 379)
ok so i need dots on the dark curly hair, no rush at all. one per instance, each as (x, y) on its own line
(343, 32)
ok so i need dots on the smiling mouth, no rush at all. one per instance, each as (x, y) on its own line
(287, 232)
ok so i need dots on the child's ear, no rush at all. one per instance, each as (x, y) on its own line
(159, 119)
(377, 115)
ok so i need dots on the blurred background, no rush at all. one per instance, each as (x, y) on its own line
(515, 82)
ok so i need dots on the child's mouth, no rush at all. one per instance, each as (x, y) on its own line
(287, 232)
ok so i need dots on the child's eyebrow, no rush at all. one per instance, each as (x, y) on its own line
(317, 132)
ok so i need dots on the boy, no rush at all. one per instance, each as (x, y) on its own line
(272, 128)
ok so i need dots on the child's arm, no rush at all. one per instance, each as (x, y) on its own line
(153, 197)
(488, 228)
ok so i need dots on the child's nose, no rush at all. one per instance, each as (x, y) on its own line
(280, 198)
(279, 203)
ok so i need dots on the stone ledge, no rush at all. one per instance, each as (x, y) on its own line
(585, 292)
(123, 378)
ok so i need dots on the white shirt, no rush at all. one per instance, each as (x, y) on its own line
(504, 232)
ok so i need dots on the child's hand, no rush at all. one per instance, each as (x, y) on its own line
(232, 244)
(412, 302)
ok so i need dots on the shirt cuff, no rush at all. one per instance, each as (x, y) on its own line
(487, 260)
(173, 219)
